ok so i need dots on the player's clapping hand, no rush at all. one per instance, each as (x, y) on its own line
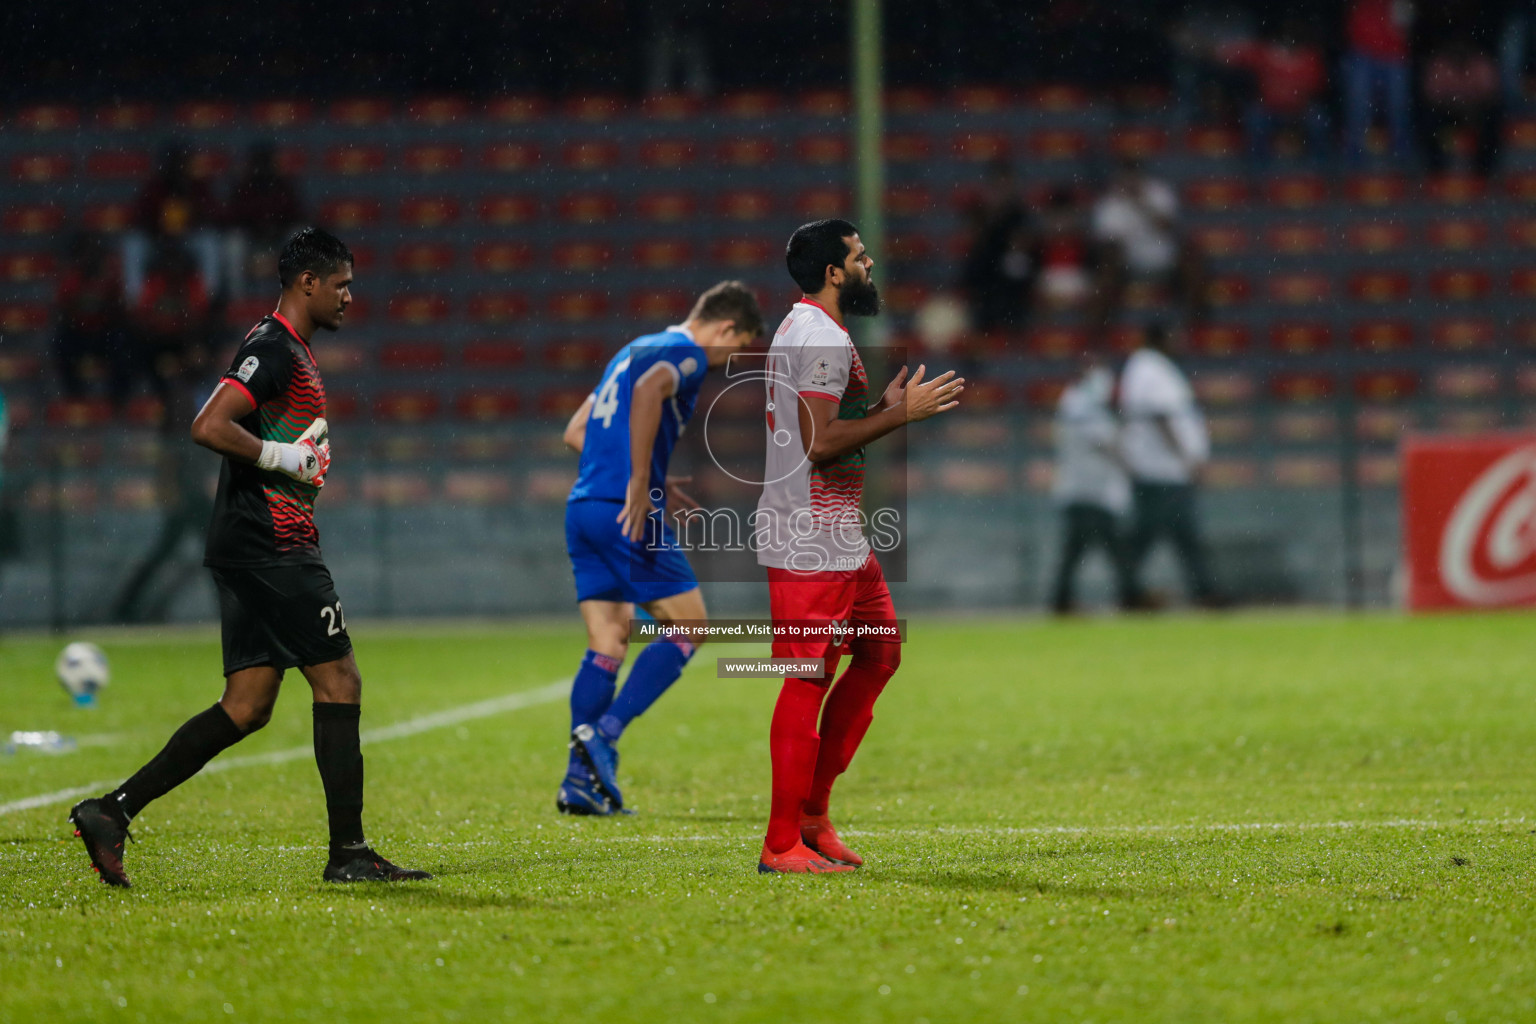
(893, 391)
(929, 398)
(637, 508)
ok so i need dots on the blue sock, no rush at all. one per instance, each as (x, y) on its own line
(657, 668)
(591, 694)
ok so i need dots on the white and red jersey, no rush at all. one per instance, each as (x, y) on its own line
(808, 517)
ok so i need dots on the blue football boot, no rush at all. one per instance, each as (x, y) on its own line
(579, 795)
(601, 758)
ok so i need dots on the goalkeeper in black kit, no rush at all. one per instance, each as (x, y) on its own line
(277, 605)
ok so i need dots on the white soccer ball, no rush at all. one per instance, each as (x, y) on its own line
(82, 670)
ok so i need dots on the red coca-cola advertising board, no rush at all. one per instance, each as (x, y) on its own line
(1469, 520)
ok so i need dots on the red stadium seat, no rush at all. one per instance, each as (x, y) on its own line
(1300, 338)
(428, 211)
(577, 306)
(753, 104)
(353, 160)
(1299, 289)
(437, 111)
(906, 247)
(1044, 394)
(494, 354)
(1142, 143)
(516, 109)
(1460, 284)
(79, 412)
(590, 155)
(1056, 342)
(1521, 185)
(510, 157)
(1300, 387)
(1220, 239)
(1456, 189)
(1463, 335)
(505, 210)
(1297, 191)
(1386, 385)
(593, 108)
(587, 207)
(1376, 236)
(667, 207)
(1300, 239)
(19, 317)
(745, 152)
(126, 117)
(1056, 98)
(744, 204)
(292, 159)
(48, 117)
(412, 355)
(662, 253)
(1522, 232)
(1467, 383)
(745, 253)
(1382, 335)
(280, 113)
(580, 354)
(669, 304)
(1303, 426)
(670, 106)
(360, 113)
(981, 99)
(822, 150)
(1378, 286)
(21, 267)
(34, 219)
(1375, 189)
(904, 297)
(1227, 290)
(908, 148)
(824, 103)
(419, 308)
(346, 214)
(119, 164)
(41, 167)
(1214, 143)
(1225, 474)
(560, 403)
(498, 307)
(202, 115)
(908, 201)
(424, 257)
(1304, 471)
(583, 256)
(1459, 234)
(981, 147)
(909, 100)
(823, 202)
(108, 218)
(1225, 388)
(1219, 339)
(668, 154)
(1057, 144)
(209, 163)
(486, 406)
(1216, 194)
(405, 406)
(1522, 282)
(1520, 134)
(333, 357)
(432, 158)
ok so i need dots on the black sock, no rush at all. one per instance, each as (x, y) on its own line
(340, 760)
(183, 756)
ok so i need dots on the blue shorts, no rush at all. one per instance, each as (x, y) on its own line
(610, 567)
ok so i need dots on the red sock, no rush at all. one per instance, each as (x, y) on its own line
(850, 709)
(792, 743)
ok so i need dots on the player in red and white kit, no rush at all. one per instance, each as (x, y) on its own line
(808, 532)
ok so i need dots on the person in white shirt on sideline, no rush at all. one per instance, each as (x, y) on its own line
(1091, 488)
(1136, 226)
(1164, 444)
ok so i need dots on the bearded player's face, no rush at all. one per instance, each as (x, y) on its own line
(857, 294)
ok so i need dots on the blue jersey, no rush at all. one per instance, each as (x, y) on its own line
(605, 466)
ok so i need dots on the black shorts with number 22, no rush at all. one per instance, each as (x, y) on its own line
(284, 616)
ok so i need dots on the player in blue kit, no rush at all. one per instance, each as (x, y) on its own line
(623, 552)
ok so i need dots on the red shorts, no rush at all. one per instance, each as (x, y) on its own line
(853, 596)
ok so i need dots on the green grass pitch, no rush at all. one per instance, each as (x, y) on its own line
(1287, 818)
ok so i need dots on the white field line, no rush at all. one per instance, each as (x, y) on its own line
(410, 727)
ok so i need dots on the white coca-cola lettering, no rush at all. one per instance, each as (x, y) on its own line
(1494, 524)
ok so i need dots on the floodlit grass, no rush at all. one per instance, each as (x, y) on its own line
(1273, 818)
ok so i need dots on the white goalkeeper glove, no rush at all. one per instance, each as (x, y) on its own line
(306, 459)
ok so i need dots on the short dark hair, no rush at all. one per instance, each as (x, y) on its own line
(312, 249)
(814, 247)
(730, 300)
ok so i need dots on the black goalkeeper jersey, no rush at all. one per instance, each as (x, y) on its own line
(261, 517)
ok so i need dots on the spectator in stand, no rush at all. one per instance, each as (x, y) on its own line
(1136, 228)
(997, 268)
(263, 211)
(91, 338)
(1062, 251)
(1164, 444)
(171, 319)
(1376, 69)
(1461, 92)
(1288, 78)
(1091, 486)
(174, 204)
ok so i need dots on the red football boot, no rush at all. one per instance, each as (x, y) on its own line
(817, 833)
(798, 859)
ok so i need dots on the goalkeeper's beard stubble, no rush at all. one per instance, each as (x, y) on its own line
(859, 297)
